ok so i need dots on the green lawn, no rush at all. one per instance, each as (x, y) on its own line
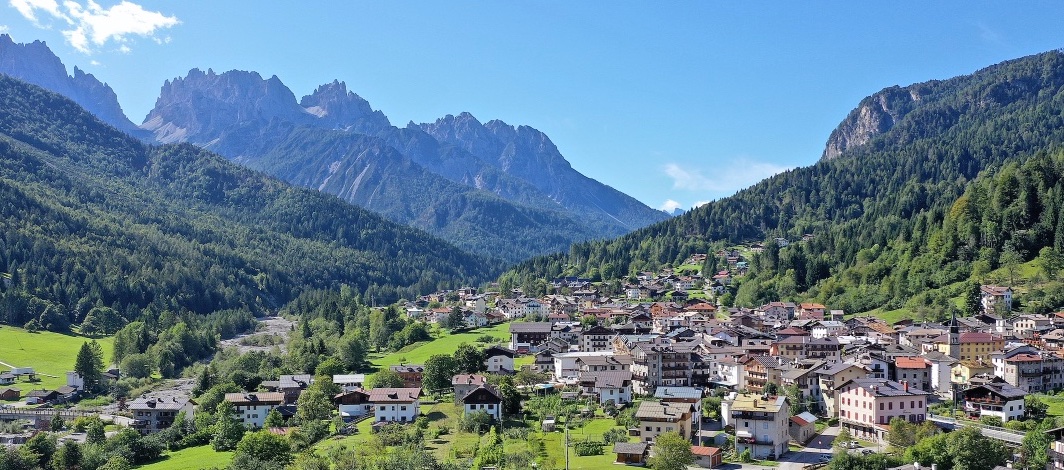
(445, 344)
(46, 352)
(1055, 404)
(593, 429)
(192, 457)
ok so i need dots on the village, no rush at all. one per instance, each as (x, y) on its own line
(738, 384)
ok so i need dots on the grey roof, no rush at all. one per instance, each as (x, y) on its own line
(835, 368)
(530, 327)
(688, 393)
(608, 378)
(630, 448)
(295, 381)
(884, 387)
(1003, 389)
(153, 403)
(662, 410)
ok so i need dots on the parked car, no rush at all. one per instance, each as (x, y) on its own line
(867, 451)
(853, 445)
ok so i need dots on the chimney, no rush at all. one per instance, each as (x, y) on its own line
(916, 465)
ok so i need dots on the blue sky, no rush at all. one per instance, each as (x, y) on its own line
(674, 103)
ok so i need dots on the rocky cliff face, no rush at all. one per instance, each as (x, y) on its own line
(874, 116)
(338, 108)
(204, 106)
(35, 63)
(528, 154)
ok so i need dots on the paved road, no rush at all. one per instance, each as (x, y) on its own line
(812, 453)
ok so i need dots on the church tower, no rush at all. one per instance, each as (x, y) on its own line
(953, 349)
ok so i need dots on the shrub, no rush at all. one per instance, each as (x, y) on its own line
(615, 435)
(589, 447)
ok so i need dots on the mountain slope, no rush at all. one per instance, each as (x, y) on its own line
(333, 140)
(91, 216)
(529, 154)
(887, 179)
(36, 64)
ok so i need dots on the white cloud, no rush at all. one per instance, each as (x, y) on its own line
(3, 28)
(733, 175)
(93, 62)
(700, 204)
(669, 205)
(89, 25)
(27, 8)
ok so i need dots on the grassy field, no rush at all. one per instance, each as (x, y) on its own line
(46, 352)
(445, 344)
(1055, 404)
(192, 457)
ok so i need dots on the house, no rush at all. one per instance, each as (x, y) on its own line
(293, 385)
(596, 338)
(995, 399)
(152, 414)
(631, 453)
(707, 457)
(802, 427)
(7, 378)
(834, 375)
(465, 383)
(914, 370)
(826, 328)
(656, 417)
(353, 404)
(761, 425)
(67, 393)
(527, 336)
(995, 298)
(10, 393)
(963, 372)
(252, 408)
(395, 404)
(608, 386)
(40, 397)
(484, 398)
(499, 359)
(410, 373)
(867, 405)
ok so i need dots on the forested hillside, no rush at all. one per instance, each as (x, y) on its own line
(90, 217)
(894, 182)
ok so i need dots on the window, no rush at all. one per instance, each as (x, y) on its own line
(901, 405)
(890, 406)
(880, 406)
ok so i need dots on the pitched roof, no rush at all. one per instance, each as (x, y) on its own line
(630, 448)
(662, 410)
(468, 379)
(705, 450)
(530, 327)
(295, 381)
(394, 395)
(154, 403)
(910, 362)
(683, 393)
(884, 387)
(747, 402)
(255, 398)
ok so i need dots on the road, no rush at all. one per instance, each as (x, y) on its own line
(812, 453)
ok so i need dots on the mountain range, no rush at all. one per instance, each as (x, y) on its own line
(491, 188)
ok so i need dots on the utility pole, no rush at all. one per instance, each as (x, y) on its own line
(566, 443)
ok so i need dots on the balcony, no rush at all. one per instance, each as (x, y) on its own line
(756, 441)
(1030, 373)
(986, 401)
(753, 415)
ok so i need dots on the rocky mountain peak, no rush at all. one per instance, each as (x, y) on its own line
(338, 108)
(200, 106)
(35, 63)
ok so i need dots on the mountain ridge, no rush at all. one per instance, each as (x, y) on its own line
(248, 118)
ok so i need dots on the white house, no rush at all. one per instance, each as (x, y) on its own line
(353, 404)
(566, 366)
(608, 386)
(995, 399)
(485, 398)
(395, 404)
(252, 407)
(826, 328)
(498, 358)
(349, 381)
